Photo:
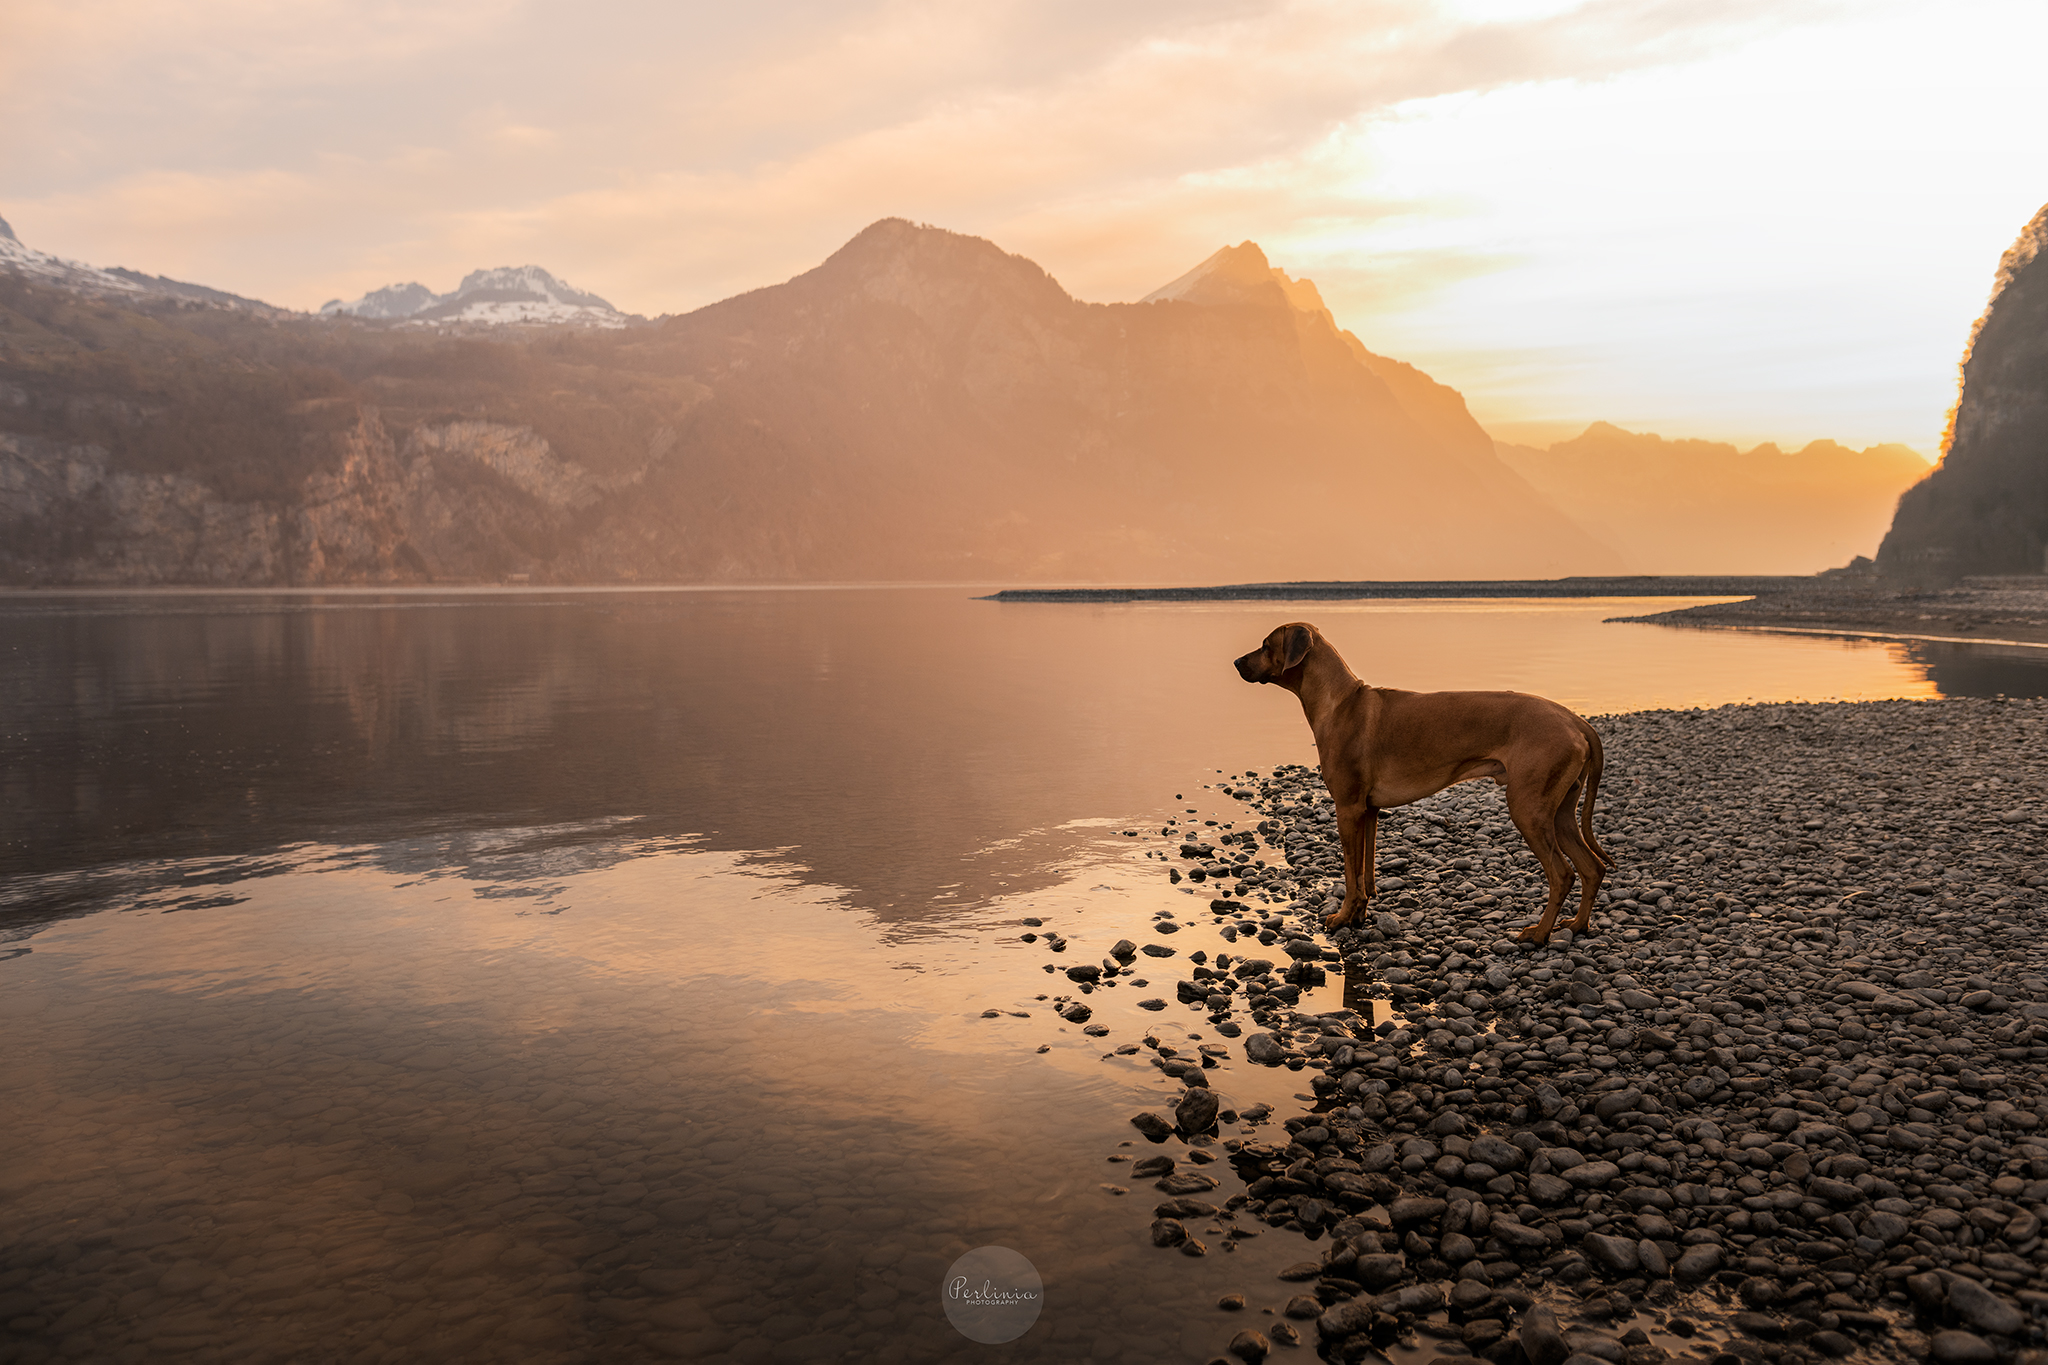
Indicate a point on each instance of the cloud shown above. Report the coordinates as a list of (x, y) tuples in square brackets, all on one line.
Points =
[(972, 115), (1651, 205)]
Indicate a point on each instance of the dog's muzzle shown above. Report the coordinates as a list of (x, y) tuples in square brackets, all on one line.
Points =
[(1247, 667)]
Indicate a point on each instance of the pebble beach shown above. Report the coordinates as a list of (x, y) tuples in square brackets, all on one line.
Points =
[(1788, 1102)]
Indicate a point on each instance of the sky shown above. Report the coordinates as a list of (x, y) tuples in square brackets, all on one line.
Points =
[(1740, 220)]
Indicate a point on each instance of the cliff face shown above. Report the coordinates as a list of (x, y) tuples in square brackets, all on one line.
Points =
[(1984, 510), (1705, 507), (920, 406), (459, 500)]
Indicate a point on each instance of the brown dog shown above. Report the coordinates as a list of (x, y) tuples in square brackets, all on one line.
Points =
[(1383, 747)]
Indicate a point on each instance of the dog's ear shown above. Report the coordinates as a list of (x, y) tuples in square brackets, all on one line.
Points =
[(1297, 644)]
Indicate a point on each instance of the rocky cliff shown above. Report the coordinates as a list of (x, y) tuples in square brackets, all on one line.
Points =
[(921, 406), (1984, 510)]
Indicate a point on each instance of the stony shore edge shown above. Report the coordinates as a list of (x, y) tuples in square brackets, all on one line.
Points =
[(2003, 609), (1799, 1073)]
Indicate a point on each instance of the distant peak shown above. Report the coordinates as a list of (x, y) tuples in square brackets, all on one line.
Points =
[(17, 257), (927, 268), (898, 239), (392, 301), (1242, 274), (1235, 274), (506, 293), (1302, 293)]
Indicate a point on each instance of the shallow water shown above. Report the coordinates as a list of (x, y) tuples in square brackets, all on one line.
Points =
[(559, 976)]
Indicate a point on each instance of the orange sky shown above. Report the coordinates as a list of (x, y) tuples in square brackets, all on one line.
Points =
[(1745, 220)]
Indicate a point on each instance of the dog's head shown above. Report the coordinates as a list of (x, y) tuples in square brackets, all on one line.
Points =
[(1282, 652)]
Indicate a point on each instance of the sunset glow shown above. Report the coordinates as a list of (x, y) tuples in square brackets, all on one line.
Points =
[(1742, 221)]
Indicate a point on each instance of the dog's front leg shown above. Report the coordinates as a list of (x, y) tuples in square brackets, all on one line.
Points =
[(1359, 830)]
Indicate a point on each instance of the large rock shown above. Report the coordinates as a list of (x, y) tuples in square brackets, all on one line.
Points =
[(1619, 1102), (1542, 1339), (1613, 1254), (1264, 1049), (1250, 1346), (1697, 1263), (1382, 1270), (1592, 1175), (1152, 1126), (1960, 1348), (1982, 1309), (1498, 1153), (1519, 1236), (1412, 1209), (1196, 1112), (1345, 1319)]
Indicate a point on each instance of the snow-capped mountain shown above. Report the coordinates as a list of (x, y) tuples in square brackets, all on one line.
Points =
[(41, 265), (508, 294), (392, 301), (524, 293)]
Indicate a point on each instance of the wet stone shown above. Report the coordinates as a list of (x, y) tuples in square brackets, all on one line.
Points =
[(1250, 1346), (1196, 1112), (1960, 1348), (1152, 1126), (1264, 1049)]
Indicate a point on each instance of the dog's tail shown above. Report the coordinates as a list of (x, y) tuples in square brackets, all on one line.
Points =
[(1596, 760)]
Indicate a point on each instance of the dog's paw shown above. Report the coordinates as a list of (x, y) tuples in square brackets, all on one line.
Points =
[(1533, 934)]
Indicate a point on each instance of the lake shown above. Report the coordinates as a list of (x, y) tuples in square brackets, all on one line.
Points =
[(565, 975)]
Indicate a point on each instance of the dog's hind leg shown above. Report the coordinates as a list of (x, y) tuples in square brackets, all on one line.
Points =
[(1590, 868), (1537, 828)]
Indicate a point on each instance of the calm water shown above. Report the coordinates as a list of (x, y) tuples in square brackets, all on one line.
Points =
[(601, 976)]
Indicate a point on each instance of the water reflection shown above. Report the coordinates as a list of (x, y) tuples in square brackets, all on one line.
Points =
[(1982, 670), (372, 1112), (901, 741)]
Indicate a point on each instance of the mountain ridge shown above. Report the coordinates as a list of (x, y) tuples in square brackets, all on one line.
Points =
[(921, 405), (117, 281), (524, 294), (1692, 506), (498, 296)]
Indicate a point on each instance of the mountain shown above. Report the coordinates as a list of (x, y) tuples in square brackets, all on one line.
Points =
[(1678, 507), (1984, 509), (392, 301), (26, 261), (921, 406), (508, 294)]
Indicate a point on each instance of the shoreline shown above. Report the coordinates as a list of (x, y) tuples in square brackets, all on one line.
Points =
[(1620, 585), (1850, 633), (1795, 1091), (2008, 612)]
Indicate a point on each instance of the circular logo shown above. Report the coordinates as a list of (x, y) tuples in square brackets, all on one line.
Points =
[(992, 1295)]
